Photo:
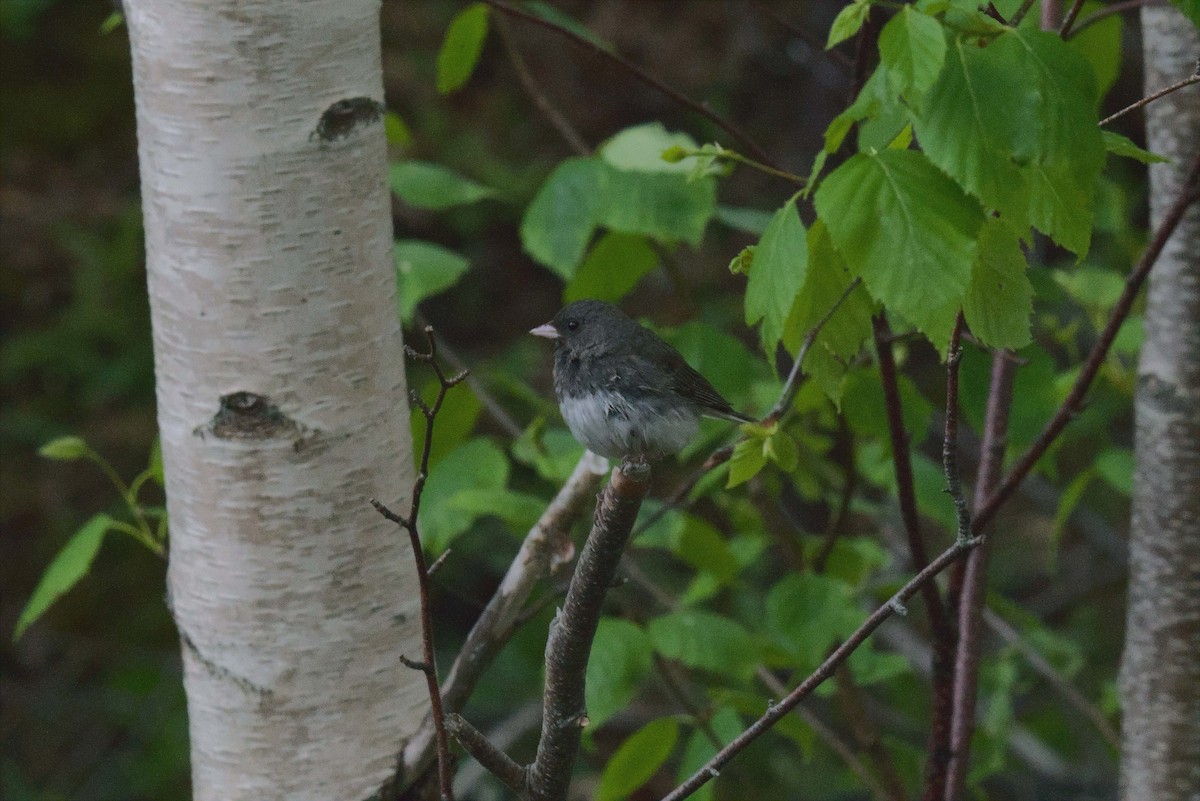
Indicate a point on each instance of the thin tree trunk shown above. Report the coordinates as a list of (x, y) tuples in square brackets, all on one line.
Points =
[(281, 390), (1160, 668)]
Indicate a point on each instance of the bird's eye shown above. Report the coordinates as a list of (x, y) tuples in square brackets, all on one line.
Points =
[(572, 325)]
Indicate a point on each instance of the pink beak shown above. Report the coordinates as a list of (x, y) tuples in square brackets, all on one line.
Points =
[(548, 331)]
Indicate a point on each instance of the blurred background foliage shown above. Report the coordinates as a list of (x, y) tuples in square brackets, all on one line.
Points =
[(92, 702)]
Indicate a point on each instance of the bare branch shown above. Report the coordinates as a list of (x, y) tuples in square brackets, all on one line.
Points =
[(974, 581), (1065, 29), (498, 763), (1108, 10), (544, 547), (1148, 99), (712, 768), (409, 524), (573, 629)]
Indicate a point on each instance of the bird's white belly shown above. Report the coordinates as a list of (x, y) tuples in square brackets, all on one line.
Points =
[(613, 428)]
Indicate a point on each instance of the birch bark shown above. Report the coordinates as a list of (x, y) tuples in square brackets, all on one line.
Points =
[(281, 390)]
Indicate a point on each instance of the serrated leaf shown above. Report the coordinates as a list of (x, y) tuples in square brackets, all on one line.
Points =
[(424, 269), (66, 569), (1120, 145), (612, 269), (620, 660), (913, 47), (908, 231), (638, 759), (431, 186), (743, 262), (461, 47), (842, 335), (64, 449), (999, 301), (1100, 45), (781, 449), (847, 23), (747, 461), (705, 641), (780, 263), (1015, 123)]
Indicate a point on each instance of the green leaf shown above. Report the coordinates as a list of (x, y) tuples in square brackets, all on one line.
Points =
[(1015, 123), (67, 568), (552, 452), (581, 195), (913, 48), (638, 759), (156, 463), (1120, 145), (727, 724), (460, 50), (1100, 45), (781, 449), (863, 405), (847, 22), (560, 221), (777, 273), (842, 335), (908, 231), (612, 269), (395, 130), (640, 149), (450, 502), (430, 186), (705, 641), (1115, 465), (999, 301), (621, 659), (747, 461), (65, 449), (424, 269), (807, 613), (699, 544), (455, 421), (113, 21)]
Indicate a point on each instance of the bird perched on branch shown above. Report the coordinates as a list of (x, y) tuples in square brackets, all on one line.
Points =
[(623, 391)]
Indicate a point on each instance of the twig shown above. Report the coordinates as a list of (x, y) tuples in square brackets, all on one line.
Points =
[(555, 117), (1074, 400), (712, 768), (1020, 13), (545, 546), (1064, 30), (974, 581), (1148, 99), (831, 737), (902, 462), (1108, 10), (792, 385), (642, 75), (942, 712), (409, 524), (1058, 681), (573, 629), (497, 763), (511, 427), (950, 440)]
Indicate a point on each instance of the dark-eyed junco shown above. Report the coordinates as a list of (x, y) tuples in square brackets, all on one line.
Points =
[(621, 389)]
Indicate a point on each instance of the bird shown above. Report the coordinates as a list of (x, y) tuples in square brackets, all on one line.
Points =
[(622, 390)]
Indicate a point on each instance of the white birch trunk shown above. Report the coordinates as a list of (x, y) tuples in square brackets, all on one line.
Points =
[(1160, 668), (281, 391)]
